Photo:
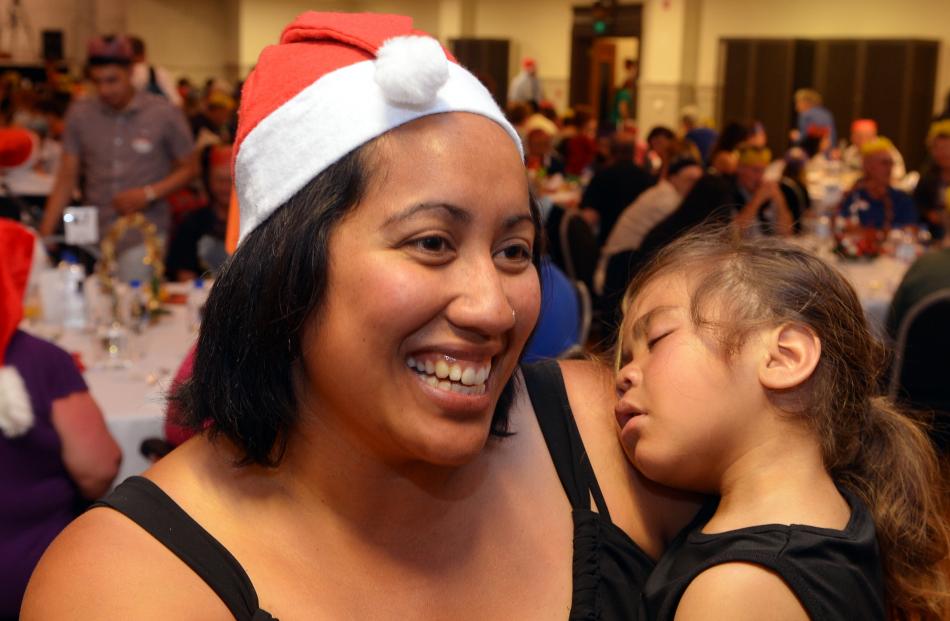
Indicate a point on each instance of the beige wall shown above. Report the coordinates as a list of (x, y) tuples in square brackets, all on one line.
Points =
[(194, 39)]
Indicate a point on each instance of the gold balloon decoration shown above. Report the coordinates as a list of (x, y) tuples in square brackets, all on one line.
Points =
[(108, 265)]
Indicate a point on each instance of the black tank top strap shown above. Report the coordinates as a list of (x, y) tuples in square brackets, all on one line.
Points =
[(143, 502), (549, 397)]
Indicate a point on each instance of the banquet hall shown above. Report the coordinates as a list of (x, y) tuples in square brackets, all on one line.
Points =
[(822, 124)]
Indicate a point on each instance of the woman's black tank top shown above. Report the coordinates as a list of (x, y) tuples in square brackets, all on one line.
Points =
[(609, 569), (836, 574)]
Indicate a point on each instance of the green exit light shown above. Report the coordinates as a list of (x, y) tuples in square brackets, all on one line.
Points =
[(600, 26)]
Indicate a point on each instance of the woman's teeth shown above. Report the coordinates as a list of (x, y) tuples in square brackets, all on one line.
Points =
[(452, 376)]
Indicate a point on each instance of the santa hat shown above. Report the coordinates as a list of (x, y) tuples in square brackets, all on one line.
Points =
[(334, 82), (16, 414)]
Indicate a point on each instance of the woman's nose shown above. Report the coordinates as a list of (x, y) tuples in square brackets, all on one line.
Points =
[(482, 304)]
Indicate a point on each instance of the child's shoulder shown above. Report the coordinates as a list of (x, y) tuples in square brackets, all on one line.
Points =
[(739, 591)]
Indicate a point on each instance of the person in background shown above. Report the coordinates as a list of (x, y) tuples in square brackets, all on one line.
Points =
[(612, 189), (928, 274), (653, 206), (130, 148), (761, 207), (56, 454), (578, 147), (757, 136), (724, 157), (518, 114), (930, 195), (794, 184), (659, 140), (864, 131), (624, 106), (559, 323), (873, 200), (540, 156), (214, 124), (197, 246), (812, 114), (703, 137), (526, 87), (150, 78)]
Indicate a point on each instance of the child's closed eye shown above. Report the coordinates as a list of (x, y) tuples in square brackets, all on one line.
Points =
[(656, 339)]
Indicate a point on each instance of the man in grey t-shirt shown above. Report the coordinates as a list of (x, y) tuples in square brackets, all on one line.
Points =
[(131, 148)]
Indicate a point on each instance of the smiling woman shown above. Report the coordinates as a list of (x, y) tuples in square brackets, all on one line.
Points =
[(369, 447)]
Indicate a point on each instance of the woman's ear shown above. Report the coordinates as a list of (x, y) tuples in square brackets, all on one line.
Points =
[(793, 351)]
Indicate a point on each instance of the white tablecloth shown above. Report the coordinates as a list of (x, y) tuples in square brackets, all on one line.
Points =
[(133, 399), (875, 280)]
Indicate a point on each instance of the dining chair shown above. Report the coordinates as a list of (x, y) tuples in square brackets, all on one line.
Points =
[(921, 370)]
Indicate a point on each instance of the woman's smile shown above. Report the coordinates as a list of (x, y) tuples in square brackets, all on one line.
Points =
[(444, 372)]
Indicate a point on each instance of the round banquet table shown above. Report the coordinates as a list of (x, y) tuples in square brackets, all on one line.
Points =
[(874, 280), (132, 398)]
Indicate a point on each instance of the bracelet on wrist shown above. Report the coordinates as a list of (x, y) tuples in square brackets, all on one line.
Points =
[(149, 193)]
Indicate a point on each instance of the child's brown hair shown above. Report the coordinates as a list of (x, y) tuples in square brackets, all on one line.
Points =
[(868, 445)]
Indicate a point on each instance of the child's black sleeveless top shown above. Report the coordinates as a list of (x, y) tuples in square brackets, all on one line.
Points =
[(836, 574)]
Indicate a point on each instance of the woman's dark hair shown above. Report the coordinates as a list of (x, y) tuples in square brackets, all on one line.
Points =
[(243, 383), (867, 444)]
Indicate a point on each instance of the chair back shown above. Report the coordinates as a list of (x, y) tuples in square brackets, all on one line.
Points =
[(921, 375), (579, 247)]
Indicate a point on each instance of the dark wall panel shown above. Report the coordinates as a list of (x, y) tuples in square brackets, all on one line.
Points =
[(738, 85), (884, 70), (923, 68), (488, 60), (773, 89), (839, 86)]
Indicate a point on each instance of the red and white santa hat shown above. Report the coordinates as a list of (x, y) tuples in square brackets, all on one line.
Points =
[(334, 82), (16, 413)]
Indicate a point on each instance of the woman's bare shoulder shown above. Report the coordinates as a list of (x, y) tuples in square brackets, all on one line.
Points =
[(649, 513), (104, 566)]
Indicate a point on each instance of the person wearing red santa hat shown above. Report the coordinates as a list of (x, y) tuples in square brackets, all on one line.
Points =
[(368, 446), (55, 450)]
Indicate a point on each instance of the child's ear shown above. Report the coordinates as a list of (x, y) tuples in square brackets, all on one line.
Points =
[(792, 354)]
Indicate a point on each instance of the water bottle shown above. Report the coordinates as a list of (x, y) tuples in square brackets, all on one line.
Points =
[(197, 297), (72, 275), (138, 306), (906, 250)]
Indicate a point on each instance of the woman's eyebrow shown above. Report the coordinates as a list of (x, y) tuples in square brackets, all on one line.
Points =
[(514, 221), (456, 213), (642, 325)]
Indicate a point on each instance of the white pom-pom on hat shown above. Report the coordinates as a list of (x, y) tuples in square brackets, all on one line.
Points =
[(411, 69)]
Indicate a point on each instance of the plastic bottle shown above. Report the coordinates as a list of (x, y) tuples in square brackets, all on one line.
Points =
[(138, 306), (72, 276), (196, 301)]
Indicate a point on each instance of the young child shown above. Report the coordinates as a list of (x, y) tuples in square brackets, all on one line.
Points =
[(747, 371)]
